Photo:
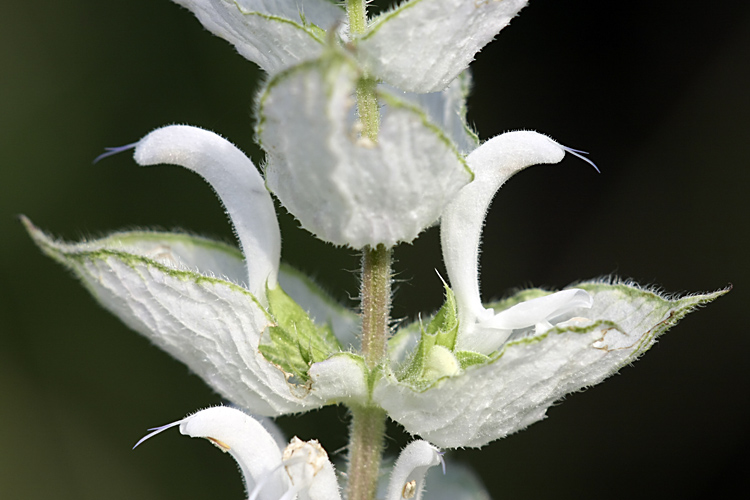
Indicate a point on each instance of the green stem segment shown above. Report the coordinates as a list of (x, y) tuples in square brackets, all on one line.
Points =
[(357, 12), (376, 303), (367, 101), (365, 452), (368, 421)]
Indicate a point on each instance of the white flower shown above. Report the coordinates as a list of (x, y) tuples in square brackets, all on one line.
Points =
[(267, 338), (302, 469), (480, 329), (199, 301), (476, 375)]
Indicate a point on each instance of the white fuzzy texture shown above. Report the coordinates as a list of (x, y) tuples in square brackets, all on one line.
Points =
[(489, 401), (270, 33), (238, 184), (422, 45), (212, 325), (412, 465), (493, 163), (249, 443), (344, 189)]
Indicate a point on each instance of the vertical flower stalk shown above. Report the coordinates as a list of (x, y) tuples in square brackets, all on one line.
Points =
[(368, 422)]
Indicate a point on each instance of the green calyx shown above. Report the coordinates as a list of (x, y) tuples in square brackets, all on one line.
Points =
[(296, 342), (434, 356)]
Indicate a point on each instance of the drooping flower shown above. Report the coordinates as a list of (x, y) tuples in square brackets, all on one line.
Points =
[(302, 469)]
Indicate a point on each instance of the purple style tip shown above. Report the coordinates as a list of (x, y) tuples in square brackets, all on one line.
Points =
[(155, 431), (579, 154), (114, 151)]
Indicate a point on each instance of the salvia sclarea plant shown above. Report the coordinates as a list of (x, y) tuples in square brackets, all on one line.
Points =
[(363, 124)]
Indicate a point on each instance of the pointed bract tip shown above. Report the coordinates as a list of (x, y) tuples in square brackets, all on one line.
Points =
[(114, 151)]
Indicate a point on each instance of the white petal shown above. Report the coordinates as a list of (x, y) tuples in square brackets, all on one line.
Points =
[(407, 478), (513, 390), (211, 325), (461, 224), (447, 110), (274, 34), (489, 334), (237, 183), (422, 45), (311, 473), (342, 189), (247, 441), (534, 311)]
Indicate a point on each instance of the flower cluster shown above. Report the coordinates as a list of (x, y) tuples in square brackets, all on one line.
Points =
[(363, 126)]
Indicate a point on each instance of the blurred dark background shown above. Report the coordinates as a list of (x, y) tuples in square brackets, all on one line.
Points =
[(657, 92)]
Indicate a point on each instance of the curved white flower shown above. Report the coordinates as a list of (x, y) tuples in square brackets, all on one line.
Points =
[(418, 46), (480, 329), (477, 375), (238, 185), (198, 301)]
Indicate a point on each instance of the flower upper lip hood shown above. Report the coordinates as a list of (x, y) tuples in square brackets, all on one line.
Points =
[(238, 185), (418, 46), (461, 224)]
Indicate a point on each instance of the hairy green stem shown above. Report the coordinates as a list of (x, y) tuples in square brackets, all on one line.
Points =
[(368, 421), (376, 303), (365, 452), (357, 12)]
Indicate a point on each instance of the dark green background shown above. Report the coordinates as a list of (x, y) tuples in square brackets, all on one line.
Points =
[(657, 91)]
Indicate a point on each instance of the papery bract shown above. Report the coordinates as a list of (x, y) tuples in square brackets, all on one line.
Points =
[(343, 188)]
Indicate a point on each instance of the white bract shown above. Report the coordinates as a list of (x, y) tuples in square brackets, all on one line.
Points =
[(419, 46)]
